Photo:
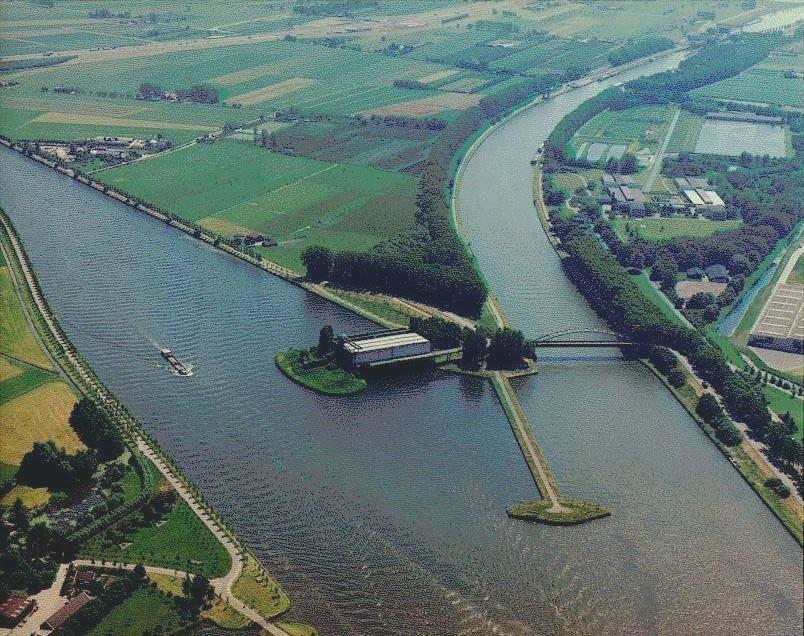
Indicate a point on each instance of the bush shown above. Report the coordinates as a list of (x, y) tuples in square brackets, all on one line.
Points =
[(779, 488)]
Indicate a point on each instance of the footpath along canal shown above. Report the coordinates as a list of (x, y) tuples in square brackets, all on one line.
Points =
[(385, 512)]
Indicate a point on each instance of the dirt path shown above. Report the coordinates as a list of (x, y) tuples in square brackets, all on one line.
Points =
[(533, 455)]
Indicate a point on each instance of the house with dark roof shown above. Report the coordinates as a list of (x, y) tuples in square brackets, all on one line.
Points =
[(695, 273), (71, 607), (717, 274)]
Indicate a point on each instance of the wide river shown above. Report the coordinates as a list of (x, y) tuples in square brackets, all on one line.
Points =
[(385, 513)]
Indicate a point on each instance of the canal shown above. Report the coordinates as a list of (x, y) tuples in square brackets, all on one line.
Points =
[(385, 512)]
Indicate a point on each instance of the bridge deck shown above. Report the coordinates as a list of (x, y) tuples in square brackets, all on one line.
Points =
[(582, 343)]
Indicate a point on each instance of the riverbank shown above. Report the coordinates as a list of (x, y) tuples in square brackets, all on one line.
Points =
[(750, 464), (327, 378), (87, 383)]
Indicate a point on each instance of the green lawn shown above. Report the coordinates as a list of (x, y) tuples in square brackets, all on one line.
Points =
[(328, 379), (182, 539), (782, 402), (146, 611), (658, 229)]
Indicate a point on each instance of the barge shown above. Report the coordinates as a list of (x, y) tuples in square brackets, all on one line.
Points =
[(167, 354)]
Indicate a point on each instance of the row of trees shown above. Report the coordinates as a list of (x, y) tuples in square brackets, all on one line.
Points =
[(641, 47), (197, 94), (498, 349)]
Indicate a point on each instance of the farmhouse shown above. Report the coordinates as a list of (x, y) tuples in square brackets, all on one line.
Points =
[(697, 193), (60, 617), (114, 141), (695, 273), (362, 349), (14, 608)]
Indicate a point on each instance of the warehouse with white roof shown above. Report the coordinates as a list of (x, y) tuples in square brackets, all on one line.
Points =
[(382, 346)]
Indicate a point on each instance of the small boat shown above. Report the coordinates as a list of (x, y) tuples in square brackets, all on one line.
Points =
[(167, 354)]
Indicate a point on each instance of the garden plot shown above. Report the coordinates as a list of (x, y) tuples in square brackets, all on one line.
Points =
[(612, 133), (759, 85), (428, 105), (783, 316)]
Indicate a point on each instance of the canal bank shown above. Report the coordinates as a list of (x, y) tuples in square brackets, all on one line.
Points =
[(145, 448)]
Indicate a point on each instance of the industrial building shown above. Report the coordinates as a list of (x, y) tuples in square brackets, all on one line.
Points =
[(697, 193), (369, 348), (623, 194)]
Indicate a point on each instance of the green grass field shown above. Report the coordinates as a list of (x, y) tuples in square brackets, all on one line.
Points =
[(24, 382), (146, 611), (16, 338), (686, 133), (175, 544), (328, 379), (796, 276), (758, 85), (233, 187), (659, 229)]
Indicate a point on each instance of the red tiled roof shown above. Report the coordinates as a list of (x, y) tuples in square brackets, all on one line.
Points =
[(73, 605), (14, 607)]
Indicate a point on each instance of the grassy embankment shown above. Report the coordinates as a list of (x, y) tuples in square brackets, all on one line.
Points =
[(220, 613), (796, 276), (182, 542), (328, 378), (259, 591), (577, 512)]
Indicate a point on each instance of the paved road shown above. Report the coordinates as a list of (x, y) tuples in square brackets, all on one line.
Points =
[(657, 163)]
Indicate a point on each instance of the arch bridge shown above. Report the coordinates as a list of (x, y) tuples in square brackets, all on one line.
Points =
[(582, 338)]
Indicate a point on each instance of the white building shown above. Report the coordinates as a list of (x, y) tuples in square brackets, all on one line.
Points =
[(384, 346)]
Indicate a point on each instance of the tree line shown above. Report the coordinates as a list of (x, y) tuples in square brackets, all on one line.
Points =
[(616, 297), (636, 49), (503, 348)]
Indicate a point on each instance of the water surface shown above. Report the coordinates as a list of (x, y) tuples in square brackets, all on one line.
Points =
[(383, 513)]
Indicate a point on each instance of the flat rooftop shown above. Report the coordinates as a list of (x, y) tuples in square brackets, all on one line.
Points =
[(384, 342)]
